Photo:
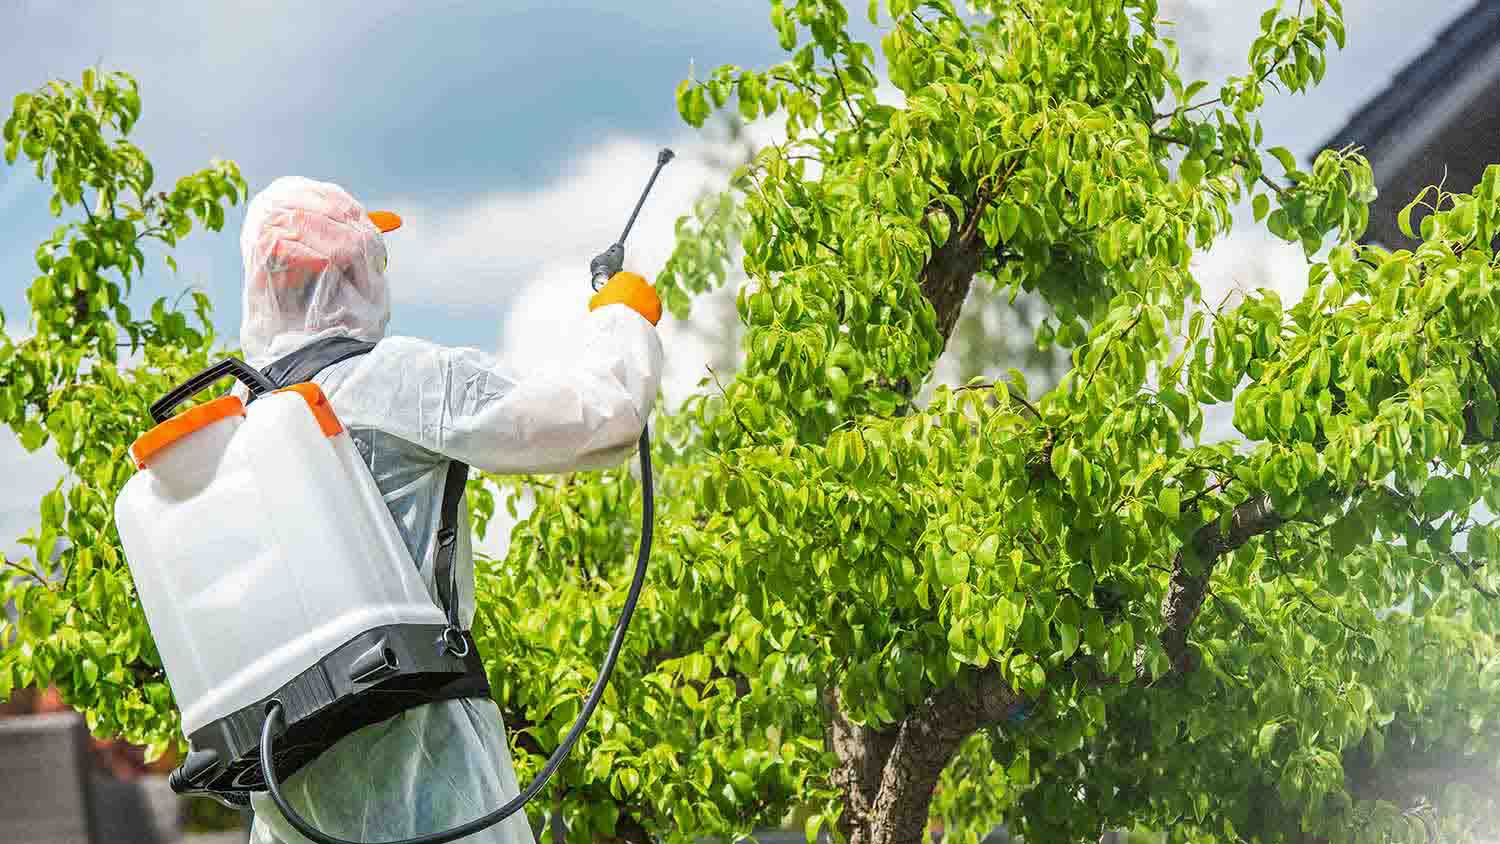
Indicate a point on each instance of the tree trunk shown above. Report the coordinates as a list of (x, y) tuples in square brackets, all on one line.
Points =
[(862, 753), (887, 776), (949, 274)]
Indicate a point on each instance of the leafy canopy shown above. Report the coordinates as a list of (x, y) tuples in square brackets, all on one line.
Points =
[(1076, 612)]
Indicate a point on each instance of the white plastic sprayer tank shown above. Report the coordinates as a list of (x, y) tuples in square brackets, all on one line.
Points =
[(258, 543)]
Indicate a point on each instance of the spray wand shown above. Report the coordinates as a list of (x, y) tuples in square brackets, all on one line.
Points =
[(612, 260)]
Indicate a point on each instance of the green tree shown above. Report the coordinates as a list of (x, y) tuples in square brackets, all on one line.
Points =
[(80, 626), (1059, 609)]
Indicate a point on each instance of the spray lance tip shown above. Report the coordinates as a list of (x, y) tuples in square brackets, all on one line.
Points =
[(664, 156)]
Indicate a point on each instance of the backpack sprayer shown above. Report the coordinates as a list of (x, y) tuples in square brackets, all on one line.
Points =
[(332, 647)]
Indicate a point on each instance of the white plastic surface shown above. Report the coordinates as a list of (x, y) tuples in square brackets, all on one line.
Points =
[(258, 545)]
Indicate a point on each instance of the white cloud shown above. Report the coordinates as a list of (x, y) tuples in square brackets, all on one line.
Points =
[(497, 244), (550, 261), (538, 245), (504, 242), (1247, 259)]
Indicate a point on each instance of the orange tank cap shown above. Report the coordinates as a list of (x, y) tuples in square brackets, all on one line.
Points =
[(179, 426), (318, 403)]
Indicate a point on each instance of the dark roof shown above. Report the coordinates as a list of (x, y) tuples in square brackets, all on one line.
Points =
[(1458, 46)]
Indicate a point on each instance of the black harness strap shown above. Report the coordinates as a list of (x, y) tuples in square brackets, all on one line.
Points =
[(300, 366), (443, 572), (304, 364)]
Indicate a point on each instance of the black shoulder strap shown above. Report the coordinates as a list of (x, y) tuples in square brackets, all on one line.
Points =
[(443, 572), (308, 361), (305, 363)]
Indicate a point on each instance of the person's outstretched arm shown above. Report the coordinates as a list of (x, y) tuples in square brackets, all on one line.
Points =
[(461, 402)]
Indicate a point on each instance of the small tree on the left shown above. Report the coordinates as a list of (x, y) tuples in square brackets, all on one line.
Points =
[(80, 376)]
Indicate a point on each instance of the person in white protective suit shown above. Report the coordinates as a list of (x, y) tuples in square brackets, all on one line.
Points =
[(315, 267)]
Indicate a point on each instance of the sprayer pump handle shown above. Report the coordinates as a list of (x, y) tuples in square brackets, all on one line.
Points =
[(254, 381)]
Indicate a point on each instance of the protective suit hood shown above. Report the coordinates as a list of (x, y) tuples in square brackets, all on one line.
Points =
[(314, 267)]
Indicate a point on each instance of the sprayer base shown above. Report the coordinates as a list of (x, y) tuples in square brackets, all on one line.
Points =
[(378, 674)]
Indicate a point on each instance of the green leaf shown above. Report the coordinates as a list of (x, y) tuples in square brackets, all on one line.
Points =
[(1276, 223), (1010, 220), (1018, 380), (1283, 155), (988, 550), (1267, 738), (1261, 204), (952, 569), (32, 435), (1167, 501), (1191, 171), (1081, 580), (1093, 709), (814, 822), (1068, 634), (1403, 219)]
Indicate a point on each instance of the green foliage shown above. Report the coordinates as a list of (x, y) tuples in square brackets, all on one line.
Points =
[(81, 627), (892, 550), (825, 539)]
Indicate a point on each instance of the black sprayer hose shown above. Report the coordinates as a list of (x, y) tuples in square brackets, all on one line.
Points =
[(276, 719)]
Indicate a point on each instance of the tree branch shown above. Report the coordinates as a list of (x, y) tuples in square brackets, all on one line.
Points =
[(1409, 773), (949, 273), (1264, 179), (1192, 569), (630, 830), (839, 78), (23, 570), (924, 744), (1163, 115)]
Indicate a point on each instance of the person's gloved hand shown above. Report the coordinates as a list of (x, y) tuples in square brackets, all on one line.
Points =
[(632, 291)]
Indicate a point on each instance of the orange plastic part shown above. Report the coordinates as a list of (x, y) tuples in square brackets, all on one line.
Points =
[(322, 410), (179, 426), (633, 292), (386, 221)]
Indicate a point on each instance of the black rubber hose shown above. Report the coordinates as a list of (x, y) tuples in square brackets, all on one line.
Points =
[(275, 718)]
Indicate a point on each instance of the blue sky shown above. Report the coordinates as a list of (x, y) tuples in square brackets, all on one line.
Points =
[(512, 136), (449, 102)]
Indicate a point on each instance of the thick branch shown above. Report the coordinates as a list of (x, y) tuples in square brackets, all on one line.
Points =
[(888, 776), (1194, 566), (949, 273), (1411, 773), (630, 830), (925, 743)]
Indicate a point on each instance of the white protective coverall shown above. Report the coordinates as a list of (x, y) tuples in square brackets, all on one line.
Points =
[(314, 267)]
